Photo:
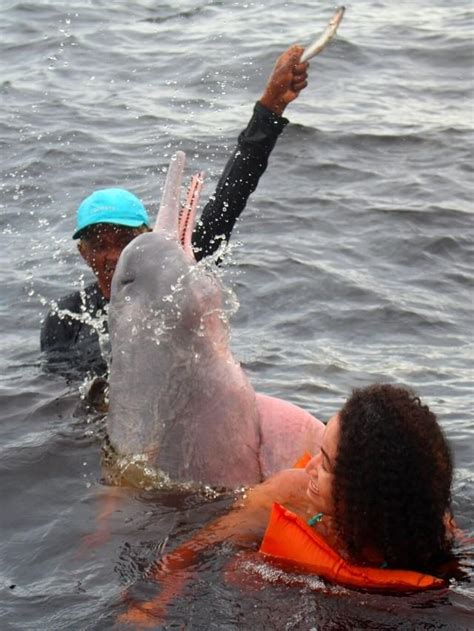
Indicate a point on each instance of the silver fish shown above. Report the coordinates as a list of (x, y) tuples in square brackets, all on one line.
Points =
[(326, 37)]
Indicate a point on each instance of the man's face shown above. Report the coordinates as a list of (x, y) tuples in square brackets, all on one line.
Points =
[(101, 248)]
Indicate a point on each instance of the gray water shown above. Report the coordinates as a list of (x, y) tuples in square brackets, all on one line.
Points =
[(352, 264)]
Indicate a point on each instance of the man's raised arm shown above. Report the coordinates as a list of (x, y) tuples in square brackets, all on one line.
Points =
[(250, 158)]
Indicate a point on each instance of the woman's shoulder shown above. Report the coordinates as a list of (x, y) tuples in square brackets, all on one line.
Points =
[(287, 487), (287, 483)]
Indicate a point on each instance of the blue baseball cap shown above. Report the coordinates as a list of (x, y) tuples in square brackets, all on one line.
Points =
[(111, 205)]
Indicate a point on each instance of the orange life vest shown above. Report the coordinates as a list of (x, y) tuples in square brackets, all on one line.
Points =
[(288, 537), (302, 461)]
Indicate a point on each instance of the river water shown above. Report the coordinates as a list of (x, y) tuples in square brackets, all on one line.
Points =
[(352, 264)]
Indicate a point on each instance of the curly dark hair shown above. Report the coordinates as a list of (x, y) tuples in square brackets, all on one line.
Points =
[(392, 479)]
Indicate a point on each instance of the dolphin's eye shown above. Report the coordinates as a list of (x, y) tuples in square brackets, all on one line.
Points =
[(126, 281)]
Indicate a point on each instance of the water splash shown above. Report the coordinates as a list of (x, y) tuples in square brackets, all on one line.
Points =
[(272, 574)]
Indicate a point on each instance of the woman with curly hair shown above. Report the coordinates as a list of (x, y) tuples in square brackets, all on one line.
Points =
[(376, 495), (383, 476)]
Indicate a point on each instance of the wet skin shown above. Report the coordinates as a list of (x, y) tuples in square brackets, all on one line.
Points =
[(320, 469)]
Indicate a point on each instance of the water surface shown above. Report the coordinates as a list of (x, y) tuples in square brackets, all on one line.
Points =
[(352, 264)]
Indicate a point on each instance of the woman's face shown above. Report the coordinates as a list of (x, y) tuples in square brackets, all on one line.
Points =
[(320, 469)]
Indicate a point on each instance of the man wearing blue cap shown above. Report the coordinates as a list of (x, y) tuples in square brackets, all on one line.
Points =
[(110, 218)]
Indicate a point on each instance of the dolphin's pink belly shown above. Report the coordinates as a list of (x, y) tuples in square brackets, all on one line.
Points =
[(214, 437)]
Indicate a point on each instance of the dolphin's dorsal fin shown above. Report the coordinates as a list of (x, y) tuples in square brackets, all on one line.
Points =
[(168, 214), (187, 217)]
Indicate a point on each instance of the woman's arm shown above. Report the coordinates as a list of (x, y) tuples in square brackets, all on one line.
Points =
[(244, 525)]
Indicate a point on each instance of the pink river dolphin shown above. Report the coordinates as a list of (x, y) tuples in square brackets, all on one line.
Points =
[(179, 400)]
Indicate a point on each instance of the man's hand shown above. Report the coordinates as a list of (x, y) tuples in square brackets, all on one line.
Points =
[(288, 78)]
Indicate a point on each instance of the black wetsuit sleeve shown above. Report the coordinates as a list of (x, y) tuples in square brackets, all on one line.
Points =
[(56, 333), (65, 322), (239, 179), (61, 331), (70, 345)]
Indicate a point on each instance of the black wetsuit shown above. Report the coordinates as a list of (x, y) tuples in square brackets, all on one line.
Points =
[(70, 343)]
